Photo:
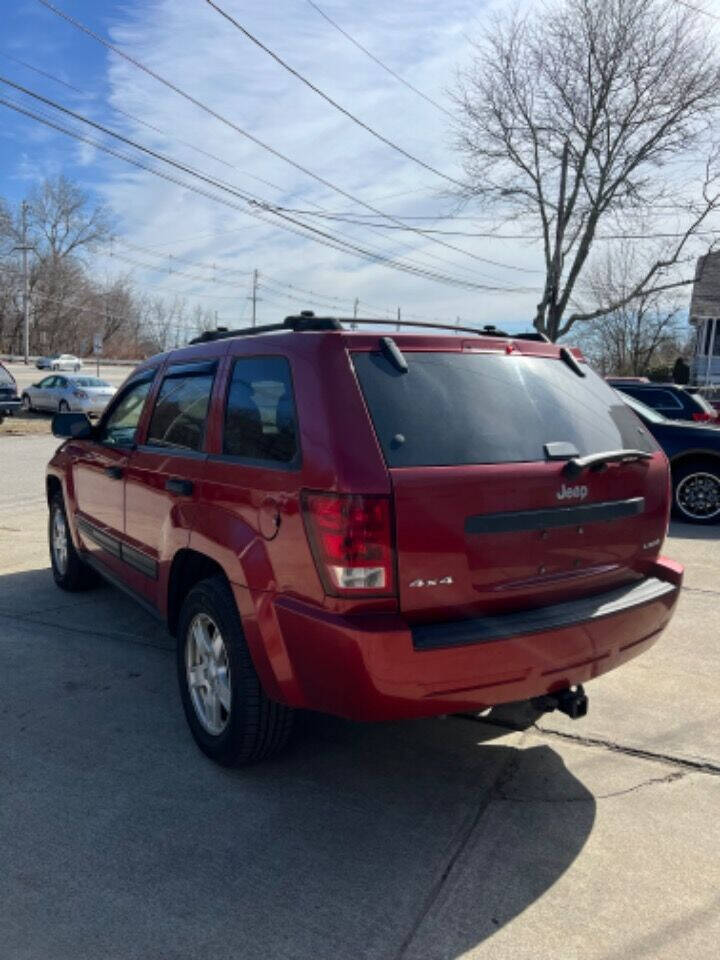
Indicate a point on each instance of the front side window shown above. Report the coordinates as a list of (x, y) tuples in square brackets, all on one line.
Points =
[(260, 419), (180, 413), (120, 426)]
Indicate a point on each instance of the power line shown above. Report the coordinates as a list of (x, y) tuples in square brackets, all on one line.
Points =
[(233, 126), (379, 62), (328, 99), (259, 207), (690, 6)]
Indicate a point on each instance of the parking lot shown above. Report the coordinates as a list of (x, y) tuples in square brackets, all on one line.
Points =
[(39, 423), (597, 839)]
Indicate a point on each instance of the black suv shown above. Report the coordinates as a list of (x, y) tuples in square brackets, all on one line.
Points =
[(672, 401), (9, 400)]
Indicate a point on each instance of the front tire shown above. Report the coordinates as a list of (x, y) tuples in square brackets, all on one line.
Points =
[(230, 717), (63, 407), (27, 403), (69, 571), (696, 492)]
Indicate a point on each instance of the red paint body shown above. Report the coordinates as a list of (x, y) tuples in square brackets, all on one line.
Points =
[(354, 656)]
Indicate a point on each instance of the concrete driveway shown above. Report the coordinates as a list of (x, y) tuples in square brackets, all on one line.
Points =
[(595, 840)]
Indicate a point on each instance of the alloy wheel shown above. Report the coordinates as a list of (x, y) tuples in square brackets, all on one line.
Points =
[(59, 540), (208, 674), (698, 496)]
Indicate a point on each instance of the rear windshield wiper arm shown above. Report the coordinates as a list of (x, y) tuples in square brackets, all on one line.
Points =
[(595, 460)]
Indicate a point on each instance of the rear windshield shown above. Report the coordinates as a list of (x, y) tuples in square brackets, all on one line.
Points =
[(90, 382), (465, 408)]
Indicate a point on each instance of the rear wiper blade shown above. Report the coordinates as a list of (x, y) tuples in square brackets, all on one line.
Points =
[(596, 460)]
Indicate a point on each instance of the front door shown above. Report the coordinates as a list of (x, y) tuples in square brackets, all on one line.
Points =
[(99, 473)]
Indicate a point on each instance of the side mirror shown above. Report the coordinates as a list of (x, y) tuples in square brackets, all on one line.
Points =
[(75, 425)]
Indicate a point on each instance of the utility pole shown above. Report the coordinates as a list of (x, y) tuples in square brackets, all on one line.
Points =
[(254, 296), (24, 247), (398, 321), (356, 304)]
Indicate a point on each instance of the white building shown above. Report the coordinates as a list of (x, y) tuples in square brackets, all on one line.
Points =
[(705, 317)]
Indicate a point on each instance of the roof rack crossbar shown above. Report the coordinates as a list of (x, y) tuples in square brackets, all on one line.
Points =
[(308, 322)]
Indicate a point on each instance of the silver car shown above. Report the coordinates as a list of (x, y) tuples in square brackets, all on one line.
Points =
[(63, 394), (59, 361)]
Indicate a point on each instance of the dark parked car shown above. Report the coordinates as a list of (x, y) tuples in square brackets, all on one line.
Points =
[(693, 450), (368, 526), (9, 400), (672, 401)]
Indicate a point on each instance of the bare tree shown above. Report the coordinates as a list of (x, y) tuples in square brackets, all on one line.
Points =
[(568, 119), (643, 332), (63, 221)]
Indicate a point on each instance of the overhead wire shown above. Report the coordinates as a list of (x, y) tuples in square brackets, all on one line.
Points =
[(258, 208), (328, 99), (379, 62), (229, 123)]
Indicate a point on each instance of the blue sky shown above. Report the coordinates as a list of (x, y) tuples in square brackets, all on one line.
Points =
[(168, 238)]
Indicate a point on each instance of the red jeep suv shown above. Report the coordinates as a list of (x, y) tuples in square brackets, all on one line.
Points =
[(370, 526)]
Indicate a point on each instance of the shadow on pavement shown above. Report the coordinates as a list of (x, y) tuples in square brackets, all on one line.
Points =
[(418, 839), (691, 531)]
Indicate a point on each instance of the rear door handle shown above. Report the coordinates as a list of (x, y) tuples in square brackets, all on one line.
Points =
[(176, 485), (115, 473)]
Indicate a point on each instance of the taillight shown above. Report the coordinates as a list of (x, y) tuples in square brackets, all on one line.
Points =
[(702, 417), (352, 542), (80, 394)]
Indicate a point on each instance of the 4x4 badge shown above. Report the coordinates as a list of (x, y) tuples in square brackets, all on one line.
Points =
[(444, 582)]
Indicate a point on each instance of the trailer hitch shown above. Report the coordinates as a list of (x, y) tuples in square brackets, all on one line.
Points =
[(572, 701)]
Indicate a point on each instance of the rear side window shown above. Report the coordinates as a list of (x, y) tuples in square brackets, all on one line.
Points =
[(260, 418), (466, 408), (180, 414)]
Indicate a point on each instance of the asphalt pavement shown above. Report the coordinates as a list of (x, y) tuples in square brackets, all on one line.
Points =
[(597, 839)]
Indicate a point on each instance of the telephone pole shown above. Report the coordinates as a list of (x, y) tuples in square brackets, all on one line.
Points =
[(24, 247), (254, 296), (398, 320), (356, 304)]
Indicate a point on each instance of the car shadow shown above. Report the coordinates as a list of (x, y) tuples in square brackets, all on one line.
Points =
[(415, 839), (691, 531)]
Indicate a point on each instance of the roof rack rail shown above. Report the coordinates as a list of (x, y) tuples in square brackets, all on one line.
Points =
[(487, 331), (306, 321)]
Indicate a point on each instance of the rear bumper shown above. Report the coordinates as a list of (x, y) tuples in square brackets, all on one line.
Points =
[(372, 668), (8, 407)]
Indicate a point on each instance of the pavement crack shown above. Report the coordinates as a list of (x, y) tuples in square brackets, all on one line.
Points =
[(504, 776), (652, 781), (683, 763), (697, 766), (118, 637)]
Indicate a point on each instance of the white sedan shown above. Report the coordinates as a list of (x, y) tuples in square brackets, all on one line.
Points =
[(61, 394), (60, 361)]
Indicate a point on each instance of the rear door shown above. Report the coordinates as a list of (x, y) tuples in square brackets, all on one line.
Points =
[(164, 472), (486, 520)]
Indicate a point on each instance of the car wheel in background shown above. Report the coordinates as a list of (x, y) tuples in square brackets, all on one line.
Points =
[(696, 492), (232, 720), (26, 403), (69, 571), (63, 407)]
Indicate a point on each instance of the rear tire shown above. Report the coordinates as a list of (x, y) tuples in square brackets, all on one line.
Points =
[(230, 717), (69, 571), (696, 492), (63, 407), (27, 403)]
